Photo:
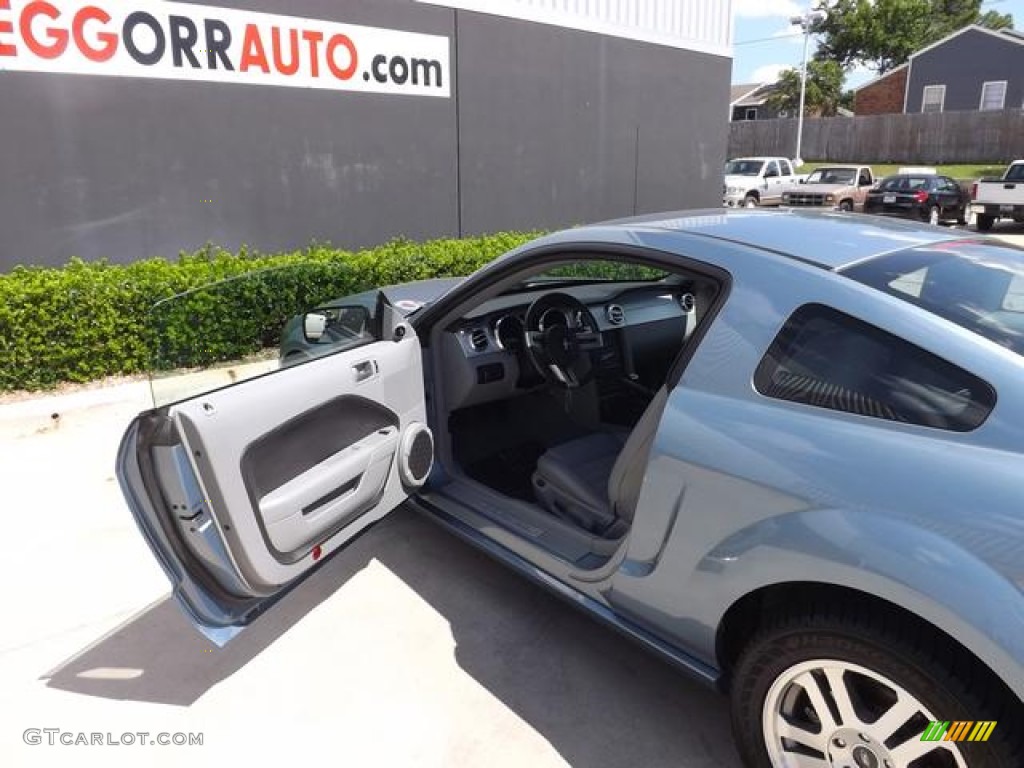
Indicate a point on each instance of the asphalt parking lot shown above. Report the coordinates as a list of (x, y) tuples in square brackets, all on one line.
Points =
[(409, 648)]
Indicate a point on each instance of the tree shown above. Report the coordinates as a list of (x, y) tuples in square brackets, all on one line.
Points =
[(882, 34), (824, 89)]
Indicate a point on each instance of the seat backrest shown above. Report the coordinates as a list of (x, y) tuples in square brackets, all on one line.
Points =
[(627, 474)]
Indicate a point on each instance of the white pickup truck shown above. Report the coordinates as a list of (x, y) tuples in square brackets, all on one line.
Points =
[(994, 199), (754, 181)]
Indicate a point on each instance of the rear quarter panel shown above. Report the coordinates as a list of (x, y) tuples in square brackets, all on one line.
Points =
[(743, 491)]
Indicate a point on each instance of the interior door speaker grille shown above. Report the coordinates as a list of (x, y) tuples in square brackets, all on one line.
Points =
[(416, 454)]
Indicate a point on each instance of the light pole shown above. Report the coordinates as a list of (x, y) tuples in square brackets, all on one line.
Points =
[(805, 23)]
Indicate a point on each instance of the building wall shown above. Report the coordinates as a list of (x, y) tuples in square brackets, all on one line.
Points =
[(883, 97), (962, 64), (545, 127)]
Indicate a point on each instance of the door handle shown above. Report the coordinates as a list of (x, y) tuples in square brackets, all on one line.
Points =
[(365, 370)]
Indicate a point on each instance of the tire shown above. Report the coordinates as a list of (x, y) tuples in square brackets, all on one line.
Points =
[(879, 661), (750, 201), (846, 205), (934, 215), (984, 223)]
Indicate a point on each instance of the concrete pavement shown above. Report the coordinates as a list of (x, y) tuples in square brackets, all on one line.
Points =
[(409, 649)]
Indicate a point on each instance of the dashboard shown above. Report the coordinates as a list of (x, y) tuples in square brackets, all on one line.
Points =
[(642, 326)]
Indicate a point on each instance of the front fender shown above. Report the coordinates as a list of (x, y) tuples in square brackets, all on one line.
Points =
[(916, 569)]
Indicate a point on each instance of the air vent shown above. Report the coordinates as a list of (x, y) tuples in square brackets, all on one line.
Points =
[(478, 339), (615, 314), (688, 302)]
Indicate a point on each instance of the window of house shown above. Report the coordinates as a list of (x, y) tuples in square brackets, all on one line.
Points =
[(993, 95), (933, 98), (751, 114), (827, 359)]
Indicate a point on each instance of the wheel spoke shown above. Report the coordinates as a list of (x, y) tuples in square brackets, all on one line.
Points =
[(817, 741), (535, 339), (796, 760), (841, 696), (912, 749), (817, 697), (895, 718)]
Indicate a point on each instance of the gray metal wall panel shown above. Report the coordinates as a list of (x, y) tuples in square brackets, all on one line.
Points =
[(119, 167), (550, 120), (962, 65)]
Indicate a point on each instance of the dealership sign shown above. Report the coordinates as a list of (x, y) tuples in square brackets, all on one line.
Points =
[(183, 41)]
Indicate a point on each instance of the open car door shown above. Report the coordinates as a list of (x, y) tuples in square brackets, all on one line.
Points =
[(241, 491)]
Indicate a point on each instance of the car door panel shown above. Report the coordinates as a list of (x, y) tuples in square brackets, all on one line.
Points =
[(241, 491), (219, 428)]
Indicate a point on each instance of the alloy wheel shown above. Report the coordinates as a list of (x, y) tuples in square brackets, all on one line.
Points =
[(827, 713)]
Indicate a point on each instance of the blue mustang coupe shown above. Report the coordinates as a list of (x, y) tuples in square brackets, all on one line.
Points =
[(784, 450)]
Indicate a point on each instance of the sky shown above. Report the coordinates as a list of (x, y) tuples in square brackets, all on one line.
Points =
[(765, 43)]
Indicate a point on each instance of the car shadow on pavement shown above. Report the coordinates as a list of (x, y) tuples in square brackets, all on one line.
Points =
[(597, 698)]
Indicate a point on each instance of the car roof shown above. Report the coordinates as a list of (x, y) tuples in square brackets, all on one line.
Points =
[(826, 239)]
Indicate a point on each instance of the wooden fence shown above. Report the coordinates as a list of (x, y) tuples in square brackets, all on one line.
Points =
[(942, 137)]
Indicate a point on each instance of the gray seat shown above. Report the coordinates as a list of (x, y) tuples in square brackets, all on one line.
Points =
[(594, 481)]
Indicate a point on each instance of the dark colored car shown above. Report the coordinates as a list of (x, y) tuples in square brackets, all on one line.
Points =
[(920, 196)]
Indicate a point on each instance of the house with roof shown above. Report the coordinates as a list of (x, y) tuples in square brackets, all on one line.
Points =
[(749, 101), (975, 68)]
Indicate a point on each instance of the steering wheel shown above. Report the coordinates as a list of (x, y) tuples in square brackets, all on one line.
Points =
[(560, 332)]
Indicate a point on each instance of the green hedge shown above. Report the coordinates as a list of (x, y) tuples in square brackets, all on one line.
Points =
[(87, 320)]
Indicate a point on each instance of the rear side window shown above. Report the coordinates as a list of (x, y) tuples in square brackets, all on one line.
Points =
[(826, 359)]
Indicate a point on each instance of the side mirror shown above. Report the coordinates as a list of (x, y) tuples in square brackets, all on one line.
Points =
[(334, 324), (314, 326)]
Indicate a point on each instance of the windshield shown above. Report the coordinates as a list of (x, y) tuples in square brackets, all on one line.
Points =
[(743, 167), (979, 286), (832, 176)]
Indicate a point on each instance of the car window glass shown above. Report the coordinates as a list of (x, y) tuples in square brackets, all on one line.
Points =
[(1016, 173), (787, 169), (772, 170), (1013, 301), (743, 168), (826, 359), (977, 285), (252, 324), (597, 270)]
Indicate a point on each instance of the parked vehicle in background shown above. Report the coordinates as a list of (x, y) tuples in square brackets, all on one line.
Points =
[(994, 199), (843, 187), (923, 196), (754, 181)]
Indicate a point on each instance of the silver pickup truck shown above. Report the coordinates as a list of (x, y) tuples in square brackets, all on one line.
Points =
[(753, 181), (994, 199)]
